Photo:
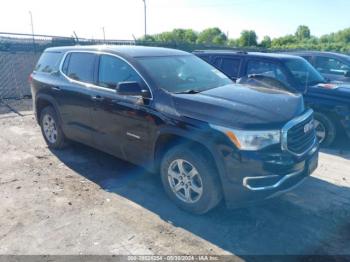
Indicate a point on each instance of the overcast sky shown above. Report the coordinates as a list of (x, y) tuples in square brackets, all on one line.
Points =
[(124, 18)]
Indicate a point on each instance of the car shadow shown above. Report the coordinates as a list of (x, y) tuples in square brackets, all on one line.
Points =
[(340, 147), (312, 219), (15, 106)]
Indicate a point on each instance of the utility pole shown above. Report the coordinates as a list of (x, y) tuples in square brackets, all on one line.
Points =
[(104, 34), (249, 38), (145, 11), (32, 26)]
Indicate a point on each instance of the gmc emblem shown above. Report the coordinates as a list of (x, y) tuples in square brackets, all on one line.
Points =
[(308, 127)]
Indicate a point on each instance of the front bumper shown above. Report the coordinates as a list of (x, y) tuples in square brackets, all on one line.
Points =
[(256, 176)]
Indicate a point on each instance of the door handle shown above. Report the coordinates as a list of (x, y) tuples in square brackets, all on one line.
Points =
[(97, 98), (56, 88)]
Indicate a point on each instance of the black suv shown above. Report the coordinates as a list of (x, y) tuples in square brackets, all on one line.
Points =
[(330, 101), (172, 113), (333, 66)]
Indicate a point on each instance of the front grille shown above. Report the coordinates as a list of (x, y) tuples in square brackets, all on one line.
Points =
[(301, 136)]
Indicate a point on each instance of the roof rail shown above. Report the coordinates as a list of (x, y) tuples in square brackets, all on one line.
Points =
[(221, 51), (242, 52)]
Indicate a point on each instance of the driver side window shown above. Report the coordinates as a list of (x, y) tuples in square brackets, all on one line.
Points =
[(113, 70), (266, 69)]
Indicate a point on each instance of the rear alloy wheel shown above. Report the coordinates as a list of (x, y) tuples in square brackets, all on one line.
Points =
[(190, 180), (325, 129), (51, 129)]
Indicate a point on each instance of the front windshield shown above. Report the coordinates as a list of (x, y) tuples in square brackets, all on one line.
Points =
[(304, 73), (178, 74)]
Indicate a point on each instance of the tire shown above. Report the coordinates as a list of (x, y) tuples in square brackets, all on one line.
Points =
[(326, 129), (51, 128), (204, 177)]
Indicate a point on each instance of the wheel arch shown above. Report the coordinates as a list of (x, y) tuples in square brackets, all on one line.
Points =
[(167, 140), (42, 101)]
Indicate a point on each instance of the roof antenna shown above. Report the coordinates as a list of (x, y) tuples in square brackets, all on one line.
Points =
[(76, 38)]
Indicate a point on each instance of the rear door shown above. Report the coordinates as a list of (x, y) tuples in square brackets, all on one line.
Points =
[(74, 95), (45, 76)]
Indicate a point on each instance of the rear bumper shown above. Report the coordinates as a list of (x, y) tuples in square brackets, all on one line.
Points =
[(258, 176)]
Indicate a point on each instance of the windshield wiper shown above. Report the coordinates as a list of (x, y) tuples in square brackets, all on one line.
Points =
[(190, 91)]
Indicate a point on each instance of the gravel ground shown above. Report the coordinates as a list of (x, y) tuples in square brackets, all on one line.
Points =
[(82, 201)]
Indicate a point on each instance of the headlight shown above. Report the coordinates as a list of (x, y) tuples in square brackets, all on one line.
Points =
[(251, 140)]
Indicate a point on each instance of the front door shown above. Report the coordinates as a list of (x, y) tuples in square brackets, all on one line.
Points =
[(124, 125), (332, 68)]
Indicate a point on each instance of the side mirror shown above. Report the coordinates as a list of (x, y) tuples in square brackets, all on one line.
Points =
[(347, 73), (132, 89)]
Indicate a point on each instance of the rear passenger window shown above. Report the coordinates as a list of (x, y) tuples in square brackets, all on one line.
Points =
[(113, 70), (49, 62), (230, 66), (80, 66), (308, 58), (206, 58)]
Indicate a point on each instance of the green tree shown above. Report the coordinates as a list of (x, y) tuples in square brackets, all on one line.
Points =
[(150, 38), (212, 36), (248, 38), (284, 41), (233, 42), (177, 35), (302, 39), (165, 37), (303, 32), (342, 36), (266, 42), (185, 35)]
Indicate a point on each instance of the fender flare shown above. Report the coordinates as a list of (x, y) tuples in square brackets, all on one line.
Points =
[(200, 139), (50, 100)]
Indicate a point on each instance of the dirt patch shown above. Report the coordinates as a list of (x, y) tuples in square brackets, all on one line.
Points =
[(81, 201)]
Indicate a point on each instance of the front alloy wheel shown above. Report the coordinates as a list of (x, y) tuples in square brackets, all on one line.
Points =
[(185, 181), (190, 179), (326, 130), (320, 131)]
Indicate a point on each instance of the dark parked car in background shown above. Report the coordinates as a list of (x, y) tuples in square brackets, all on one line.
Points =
[(331, 102), (333, 66), (176, 115)]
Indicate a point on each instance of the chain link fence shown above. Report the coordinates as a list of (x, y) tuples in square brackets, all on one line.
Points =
[(20, 52), (15, 69)]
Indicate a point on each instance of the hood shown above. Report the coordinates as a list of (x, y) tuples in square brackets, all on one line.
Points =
[(334, 90), (241, 106)]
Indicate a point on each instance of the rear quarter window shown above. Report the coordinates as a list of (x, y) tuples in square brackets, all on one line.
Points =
[(49, 62)]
